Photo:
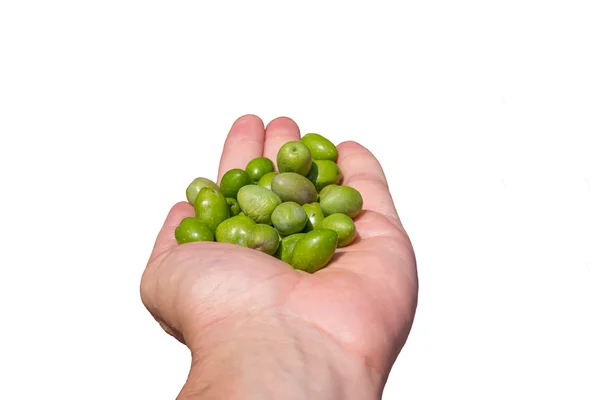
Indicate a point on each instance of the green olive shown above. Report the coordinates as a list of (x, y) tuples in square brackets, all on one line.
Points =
[(194, 188), (294, 157), (323, 173), (341, 199), (235, 230), (325, 190), (289, 218), (263, 238), (258, 167), (258, 203), (234, 206), (314, 250), (286, 247), (320, 147), (266, 179), (314, 214), (343, 226), (211, 207), (193, 230), (290, 186), (233, 181)]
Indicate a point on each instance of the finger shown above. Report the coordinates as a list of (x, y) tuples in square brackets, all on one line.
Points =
[(279, 131), (362, 171), (244, 142), (166, 237)]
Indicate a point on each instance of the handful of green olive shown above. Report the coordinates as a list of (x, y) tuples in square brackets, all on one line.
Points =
[(299, 214)]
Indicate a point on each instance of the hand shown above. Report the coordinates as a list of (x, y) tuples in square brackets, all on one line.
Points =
[(252, 317)]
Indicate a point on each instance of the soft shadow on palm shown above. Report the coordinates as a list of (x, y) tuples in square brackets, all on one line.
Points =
[(364, 300)]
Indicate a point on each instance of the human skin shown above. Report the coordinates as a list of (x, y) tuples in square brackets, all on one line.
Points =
[(258, 329)]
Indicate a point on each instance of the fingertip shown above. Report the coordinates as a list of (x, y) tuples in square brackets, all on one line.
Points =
[(349, 148), (166, 237), (362, 171), (244, 142), (251, 119), (181, 208), (278, 132), (282, 122), (351, 144), (177, 213)]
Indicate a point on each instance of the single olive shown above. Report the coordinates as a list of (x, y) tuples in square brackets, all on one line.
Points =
[(325, 190), (314, 214), (193, 230), (258, 203), (211, 207), (323, 173), (343, 226), (266, 179), (235, 230), (320, 147), (314, 250), (194, 188), (234, 206), (286, 247), (290, 186), (341, 199), (258, 167), (233, 181), (263, 238), (289, 218), (294, 157)]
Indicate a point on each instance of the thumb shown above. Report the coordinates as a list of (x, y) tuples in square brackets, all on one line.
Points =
[(166, 237)]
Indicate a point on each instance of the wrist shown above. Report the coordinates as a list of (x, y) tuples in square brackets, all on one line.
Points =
[(274, 357)]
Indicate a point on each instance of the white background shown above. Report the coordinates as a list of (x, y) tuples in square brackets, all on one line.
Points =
[(108, 109)]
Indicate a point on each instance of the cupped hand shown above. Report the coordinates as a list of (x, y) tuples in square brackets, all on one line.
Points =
[(364, 300)]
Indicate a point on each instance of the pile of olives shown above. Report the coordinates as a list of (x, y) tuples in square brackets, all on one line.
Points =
[(299, 214)]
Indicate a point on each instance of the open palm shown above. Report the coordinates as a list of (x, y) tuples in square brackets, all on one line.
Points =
[(364, 300)]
